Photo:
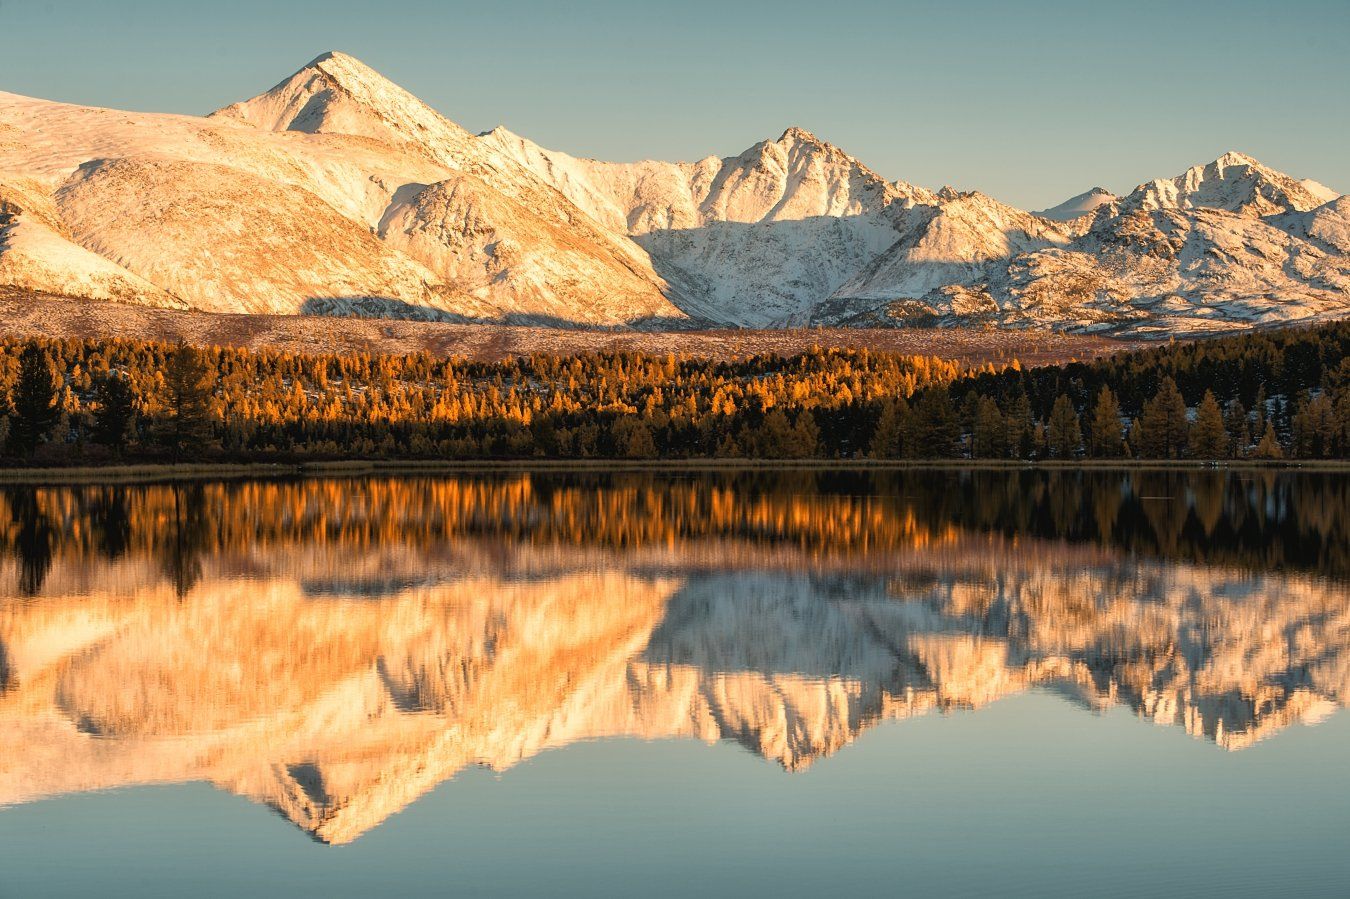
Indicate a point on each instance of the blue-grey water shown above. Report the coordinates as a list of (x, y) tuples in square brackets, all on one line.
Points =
[(915, 683)]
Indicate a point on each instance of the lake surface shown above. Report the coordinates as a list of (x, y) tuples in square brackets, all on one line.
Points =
[(795, 683)]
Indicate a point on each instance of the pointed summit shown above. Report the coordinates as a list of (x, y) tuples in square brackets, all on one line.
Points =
[(337, 55), (1232, 158), (338, 94), (797, 134)]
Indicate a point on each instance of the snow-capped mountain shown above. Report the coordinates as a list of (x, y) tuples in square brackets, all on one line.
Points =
[(754, 240), (334, 192), (338, 192)]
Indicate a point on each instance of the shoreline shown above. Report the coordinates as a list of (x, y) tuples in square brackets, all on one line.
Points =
[(150, 473)]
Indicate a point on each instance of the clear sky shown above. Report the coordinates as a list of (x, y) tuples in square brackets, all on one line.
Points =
[(1031, 102)]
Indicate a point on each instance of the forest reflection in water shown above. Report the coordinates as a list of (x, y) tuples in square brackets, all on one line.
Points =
[(335, 648)]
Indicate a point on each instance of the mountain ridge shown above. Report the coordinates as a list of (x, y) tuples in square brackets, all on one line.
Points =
[(415, 217)]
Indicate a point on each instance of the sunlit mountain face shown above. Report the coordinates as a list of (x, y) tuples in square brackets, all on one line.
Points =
[(334, 649)]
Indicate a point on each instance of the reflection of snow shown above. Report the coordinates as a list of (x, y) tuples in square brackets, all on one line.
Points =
[(338, 698)]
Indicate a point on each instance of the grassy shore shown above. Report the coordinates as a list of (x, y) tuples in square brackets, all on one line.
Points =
[(157, 473)]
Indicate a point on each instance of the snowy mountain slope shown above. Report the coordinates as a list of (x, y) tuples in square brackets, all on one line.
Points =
[(755, 239), (498, 251), (339, 192), (338, 187), (1078, 206), (795, 231), (949, 246), (36, 251), (532, 251), (1221, 246), (1320, 191), (227, 241), (1233, 183), (338, 94)]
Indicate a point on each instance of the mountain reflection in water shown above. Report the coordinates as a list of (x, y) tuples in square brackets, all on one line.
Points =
[(336, 648)]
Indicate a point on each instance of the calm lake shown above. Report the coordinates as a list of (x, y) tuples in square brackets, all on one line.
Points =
[(793, 683)]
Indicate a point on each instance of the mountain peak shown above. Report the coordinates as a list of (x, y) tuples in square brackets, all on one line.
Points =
[(799, 135), (1235, 182), (1078, 206), (346, 69), (1233, 157), (336, 93), (324, 57)]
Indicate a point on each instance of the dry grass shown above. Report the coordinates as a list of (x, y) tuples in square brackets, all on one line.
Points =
[(25, 314)]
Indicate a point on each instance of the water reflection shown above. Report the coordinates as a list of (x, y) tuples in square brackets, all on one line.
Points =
[(335, 649)]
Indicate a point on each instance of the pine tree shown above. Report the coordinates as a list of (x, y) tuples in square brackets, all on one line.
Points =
[(988, 433), (189, 379), (805, 441), (116, 409), (1343, 421), (1239, 433), (1063, 432), (933, 426), (1262, 411), (1209, 437), (1106, 435), (1315, 427), (36, 410), (1021, 429), (885, 442)]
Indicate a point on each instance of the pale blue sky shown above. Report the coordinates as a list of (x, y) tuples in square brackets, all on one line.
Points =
[(1029, 102)]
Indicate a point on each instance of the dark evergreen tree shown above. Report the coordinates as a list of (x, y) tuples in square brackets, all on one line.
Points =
[(933, 426), (1063, 433), (988, 432), (114, 413), (35, 408), (1238, 428), (186, 430)]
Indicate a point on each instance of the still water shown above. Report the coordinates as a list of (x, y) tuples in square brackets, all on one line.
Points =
[(795, 683)]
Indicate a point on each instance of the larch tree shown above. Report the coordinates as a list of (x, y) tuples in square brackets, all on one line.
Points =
[(1063, 433), (1209, 437), (1269, 445), (1162, 427), (1105, 433)]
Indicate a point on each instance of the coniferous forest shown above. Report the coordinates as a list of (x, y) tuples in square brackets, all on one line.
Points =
[(1259, 395)]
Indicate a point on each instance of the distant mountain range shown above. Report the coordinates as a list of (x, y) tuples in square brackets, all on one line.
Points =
[(338, 192)]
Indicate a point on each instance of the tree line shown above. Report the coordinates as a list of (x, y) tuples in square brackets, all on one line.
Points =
[(1263, 395), (1274, 520)]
